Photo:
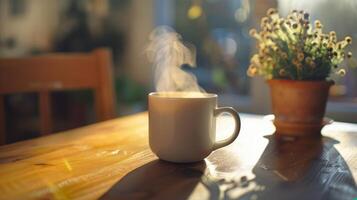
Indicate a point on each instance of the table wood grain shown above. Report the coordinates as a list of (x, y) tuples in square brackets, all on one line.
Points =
[(112, 160)]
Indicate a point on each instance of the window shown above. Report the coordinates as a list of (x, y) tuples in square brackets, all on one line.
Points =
[(219, 30)]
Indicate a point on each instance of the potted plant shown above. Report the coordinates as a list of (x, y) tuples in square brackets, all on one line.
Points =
[(298, 60)]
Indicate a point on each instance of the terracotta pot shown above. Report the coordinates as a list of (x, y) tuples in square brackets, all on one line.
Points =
[(299, 106)]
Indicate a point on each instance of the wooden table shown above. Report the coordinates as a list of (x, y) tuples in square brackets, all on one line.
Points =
[(111, 160)]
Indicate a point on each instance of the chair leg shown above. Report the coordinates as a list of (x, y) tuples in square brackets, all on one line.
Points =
[(104, 93), (45, 113), (2, 121)]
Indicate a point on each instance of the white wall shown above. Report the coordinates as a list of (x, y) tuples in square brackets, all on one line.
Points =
[(140, 25), (26, 29)]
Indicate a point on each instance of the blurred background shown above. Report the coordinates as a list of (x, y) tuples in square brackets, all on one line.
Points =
[(218, 28)]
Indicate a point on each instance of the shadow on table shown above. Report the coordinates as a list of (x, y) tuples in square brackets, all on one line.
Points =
[(303, 168), (158, 180)]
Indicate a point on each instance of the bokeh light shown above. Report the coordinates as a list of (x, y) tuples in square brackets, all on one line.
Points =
[(194, 12)]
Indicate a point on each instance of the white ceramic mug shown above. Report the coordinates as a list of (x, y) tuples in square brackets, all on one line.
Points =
[(182, 126)]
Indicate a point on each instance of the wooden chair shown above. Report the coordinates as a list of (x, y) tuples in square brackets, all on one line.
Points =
[(58, 71)]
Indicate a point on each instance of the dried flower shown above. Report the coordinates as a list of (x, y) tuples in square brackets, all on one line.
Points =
[(282, 72), (284, 55), (312, 64), (308, 59), (300, 57)]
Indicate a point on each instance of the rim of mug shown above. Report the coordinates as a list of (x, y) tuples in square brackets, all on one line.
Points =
[(199, 96)]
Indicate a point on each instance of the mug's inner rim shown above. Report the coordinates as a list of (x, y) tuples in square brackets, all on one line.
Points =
[(182, 94)]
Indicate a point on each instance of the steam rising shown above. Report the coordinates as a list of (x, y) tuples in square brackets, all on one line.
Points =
[(168, 53)]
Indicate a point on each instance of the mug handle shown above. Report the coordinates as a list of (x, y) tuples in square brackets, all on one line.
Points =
[(235, 115)]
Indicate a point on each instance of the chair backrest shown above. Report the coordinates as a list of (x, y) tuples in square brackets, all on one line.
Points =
[(58, 71)]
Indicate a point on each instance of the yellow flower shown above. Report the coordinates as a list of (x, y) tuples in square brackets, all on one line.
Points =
[(348, 39), (271, 11), (341, 72), (265, 20), (252, 70), (349, 54), (332, 34), (252, 32), (279, 40), (318, 24)]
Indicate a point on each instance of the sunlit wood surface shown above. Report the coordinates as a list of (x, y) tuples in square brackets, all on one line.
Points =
[(112, 160)]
